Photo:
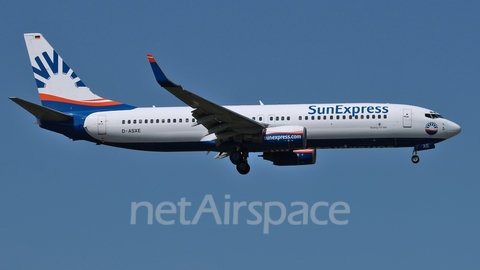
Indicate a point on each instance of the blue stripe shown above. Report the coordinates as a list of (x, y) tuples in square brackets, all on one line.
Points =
[(68, 107), (227, 147)]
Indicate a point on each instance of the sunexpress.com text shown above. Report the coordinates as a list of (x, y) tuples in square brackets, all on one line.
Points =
[(253, 213)]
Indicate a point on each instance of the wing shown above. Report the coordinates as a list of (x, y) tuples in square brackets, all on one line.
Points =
[(218, 120)]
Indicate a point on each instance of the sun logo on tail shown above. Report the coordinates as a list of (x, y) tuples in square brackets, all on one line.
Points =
[(43, 74)]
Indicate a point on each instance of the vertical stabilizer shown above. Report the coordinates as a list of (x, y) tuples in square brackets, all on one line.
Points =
[(58, 86)]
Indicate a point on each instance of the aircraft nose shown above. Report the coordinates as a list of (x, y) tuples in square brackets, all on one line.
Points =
[(453, 129)]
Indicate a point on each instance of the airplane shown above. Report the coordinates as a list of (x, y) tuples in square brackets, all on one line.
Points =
[(284, 134)]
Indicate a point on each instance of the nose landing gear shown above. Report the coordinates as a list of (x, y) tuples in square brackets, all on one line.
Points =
[(415, 158), (420, 147)]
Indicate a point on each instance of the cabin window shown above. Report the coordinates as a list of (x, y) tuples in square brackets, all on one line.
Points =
[(260, 119), (193, 120), (283, 118), (356, 116), (134, 121), (368, 116), (157, 121), (350, 117), (300, 117), (186, 120), (174, 120), (180, 120), (128, 122), (331, 117), (288, 118), (373, 116), (168, 120), (384, 116), (146, 121), (123, 122), (271, 118), (253, 118), (338, 117), (344, 117), (277, 118)]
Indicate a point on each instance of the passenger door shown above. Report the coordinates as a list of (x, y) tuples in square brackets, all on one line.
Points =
[(102, 124), (407, 118)]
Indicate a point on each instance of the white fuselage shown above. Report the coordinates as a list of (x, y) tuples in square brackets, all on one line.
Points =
[(327, 125)]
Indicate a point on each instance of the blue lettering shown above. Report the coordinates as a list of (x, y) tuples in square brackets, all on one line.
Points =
[(338, 109), (356, 110), (342, 109)]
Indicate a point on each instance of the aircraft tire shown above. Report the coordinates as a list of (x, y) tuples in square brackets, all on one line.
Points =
[(243, 168), (236, 157), (415, 159)]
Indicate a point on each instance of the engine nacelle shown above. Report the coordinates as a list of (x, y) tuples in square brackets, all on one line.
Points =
[(285, 138), (295, 157)]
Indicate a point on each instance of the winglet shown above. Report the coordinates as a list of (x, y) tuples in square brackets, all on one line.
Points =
[(159, 74)]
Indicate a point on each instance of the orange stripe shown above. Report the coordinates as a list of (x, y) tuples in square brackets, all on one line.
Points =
[(95, 102), (303, 151)]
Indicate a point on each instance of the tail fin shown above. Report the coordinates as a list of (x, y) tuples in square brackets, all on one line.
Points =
[(58, 86)]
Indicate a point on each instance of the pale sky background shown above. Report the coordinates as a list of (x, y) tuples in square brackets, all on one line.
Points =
[(66, 205)]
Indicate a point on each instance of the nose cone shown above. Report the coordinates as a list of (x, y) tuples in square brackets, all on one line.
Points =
[(453, 129)]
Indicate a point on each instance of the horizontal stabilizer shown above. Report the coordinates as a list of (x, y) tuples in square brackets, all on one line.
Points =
[(41, 112)]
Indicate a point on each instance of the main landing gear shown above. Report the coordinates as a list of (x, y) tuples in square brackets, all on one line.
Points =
[(239, 158)]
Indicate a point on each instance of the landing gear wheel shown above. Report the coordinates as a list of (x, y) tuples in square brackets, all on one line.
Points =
[(415, 159), (243, 167), (236, 157)]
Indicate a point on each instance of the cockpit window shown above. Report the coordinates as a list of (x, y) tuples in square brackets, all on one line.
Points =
[(433, 115)]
